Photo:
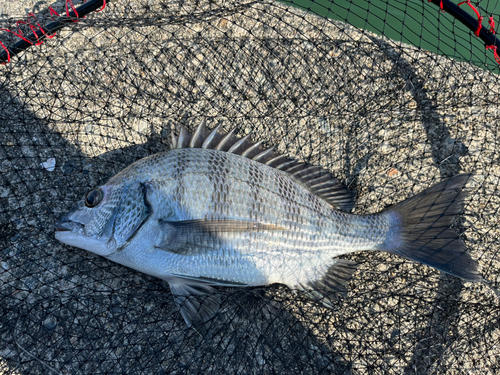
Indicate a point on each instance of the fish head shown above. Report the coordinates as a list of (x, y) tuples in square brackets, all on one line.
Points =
[(105, 219)]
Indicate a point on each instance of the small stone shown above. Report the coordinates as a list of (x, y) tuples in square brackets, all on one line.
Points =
[(386, 148), (223, 23), (412, 104), (49, 165), (391, 172), (49, 324)]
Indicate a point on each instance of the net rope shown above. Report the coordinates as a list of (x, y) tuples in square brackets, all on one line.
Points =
[(388, 107)]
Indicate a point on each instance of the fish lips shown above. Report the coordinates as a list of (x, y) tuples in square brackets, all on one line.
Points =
[(70, 233), (65, 226)]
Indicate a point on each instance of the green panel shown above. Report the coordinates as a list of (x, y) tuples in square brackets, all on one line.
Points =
[(415, 22)]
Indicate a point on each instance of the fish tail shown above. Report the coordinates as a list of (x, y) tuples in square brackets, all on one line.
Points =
[(420, 229)]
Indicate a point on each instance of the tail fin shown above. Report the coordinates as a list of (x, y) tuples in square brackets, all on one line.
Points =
[(422, 229)]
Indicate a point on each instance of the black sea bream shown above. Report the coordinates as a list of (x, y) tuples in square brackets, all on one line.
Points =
[(219, 210)]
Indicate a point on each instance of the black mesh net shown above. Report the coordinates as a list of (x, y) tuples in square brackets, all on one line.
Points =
[(390, 96)]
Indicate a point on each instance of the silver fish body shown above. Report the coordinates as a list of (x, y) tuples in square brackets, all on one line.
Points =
[(302, 236), (199, 216)]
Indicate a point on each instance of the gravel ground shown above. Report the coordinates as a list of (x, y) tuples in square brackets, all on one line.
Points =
[(388, 119)]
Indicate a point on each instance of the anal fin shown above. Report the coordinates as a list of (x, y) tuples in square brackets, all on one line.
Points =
[(332, 283), (210, 281)]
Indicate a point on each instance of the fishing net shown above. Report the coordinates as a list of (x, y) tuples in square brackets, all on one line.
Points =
[(391, 96)]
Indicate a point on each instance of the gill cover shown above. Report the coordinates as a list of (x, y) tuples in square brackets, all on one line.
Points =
[(133, 211)]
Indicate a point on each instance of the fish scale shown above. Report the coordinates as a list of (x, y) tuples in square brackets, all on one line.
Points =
[(220, 210)]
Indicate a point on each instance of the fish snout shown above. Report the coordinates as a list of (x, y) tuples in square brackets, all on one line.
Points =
[(64, 226)]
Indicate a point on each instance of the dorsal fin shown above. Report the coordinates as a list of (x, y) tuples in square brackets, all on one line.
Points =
[(315, 178)]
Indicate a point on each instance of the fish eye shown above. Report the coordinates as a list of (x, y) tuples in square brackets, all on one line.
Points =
[(93, 198)]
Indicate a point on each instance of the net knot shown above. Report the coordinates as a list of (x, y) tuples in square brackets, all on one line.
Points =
[(491, 22)]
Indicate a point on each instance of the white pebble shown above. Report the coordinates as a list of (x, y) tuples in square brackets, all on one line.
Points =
[(49, 165)]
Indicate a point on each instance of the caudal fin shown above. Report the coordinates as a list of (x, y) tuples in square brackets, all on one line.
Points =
[(422, 229)]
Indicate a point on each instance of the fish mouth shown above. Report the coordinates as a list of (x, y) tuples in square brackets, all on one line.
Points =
[(63, 226)]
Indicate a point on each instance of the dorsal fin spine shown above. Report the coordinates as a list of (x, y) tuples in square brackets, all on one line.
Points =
[(226, 141), (315, 184), (254, 149), (235, 149), (275, 161), (309, 171), (199, 135), (264, 155), (296, 168), (285, 165), (184, 137), (212, 137), (173, 140)]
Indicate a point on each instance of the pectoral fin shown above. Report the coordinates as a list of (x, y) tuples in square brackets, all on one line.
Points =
[(198, 302), (190, 237), (220, 226)]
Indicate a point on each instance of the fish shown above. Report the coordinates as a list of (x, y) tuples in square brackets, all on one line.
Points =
[(219, 210)]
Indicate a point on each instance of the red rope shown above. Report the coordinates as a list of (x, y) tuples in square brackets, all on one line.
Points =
[(479, 17), (20, 35), (103, 6), (491, 22), (440, 4), (8, 53), (34, 29), (495, 53), (53, 13), (73, 9), (32, 18)]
